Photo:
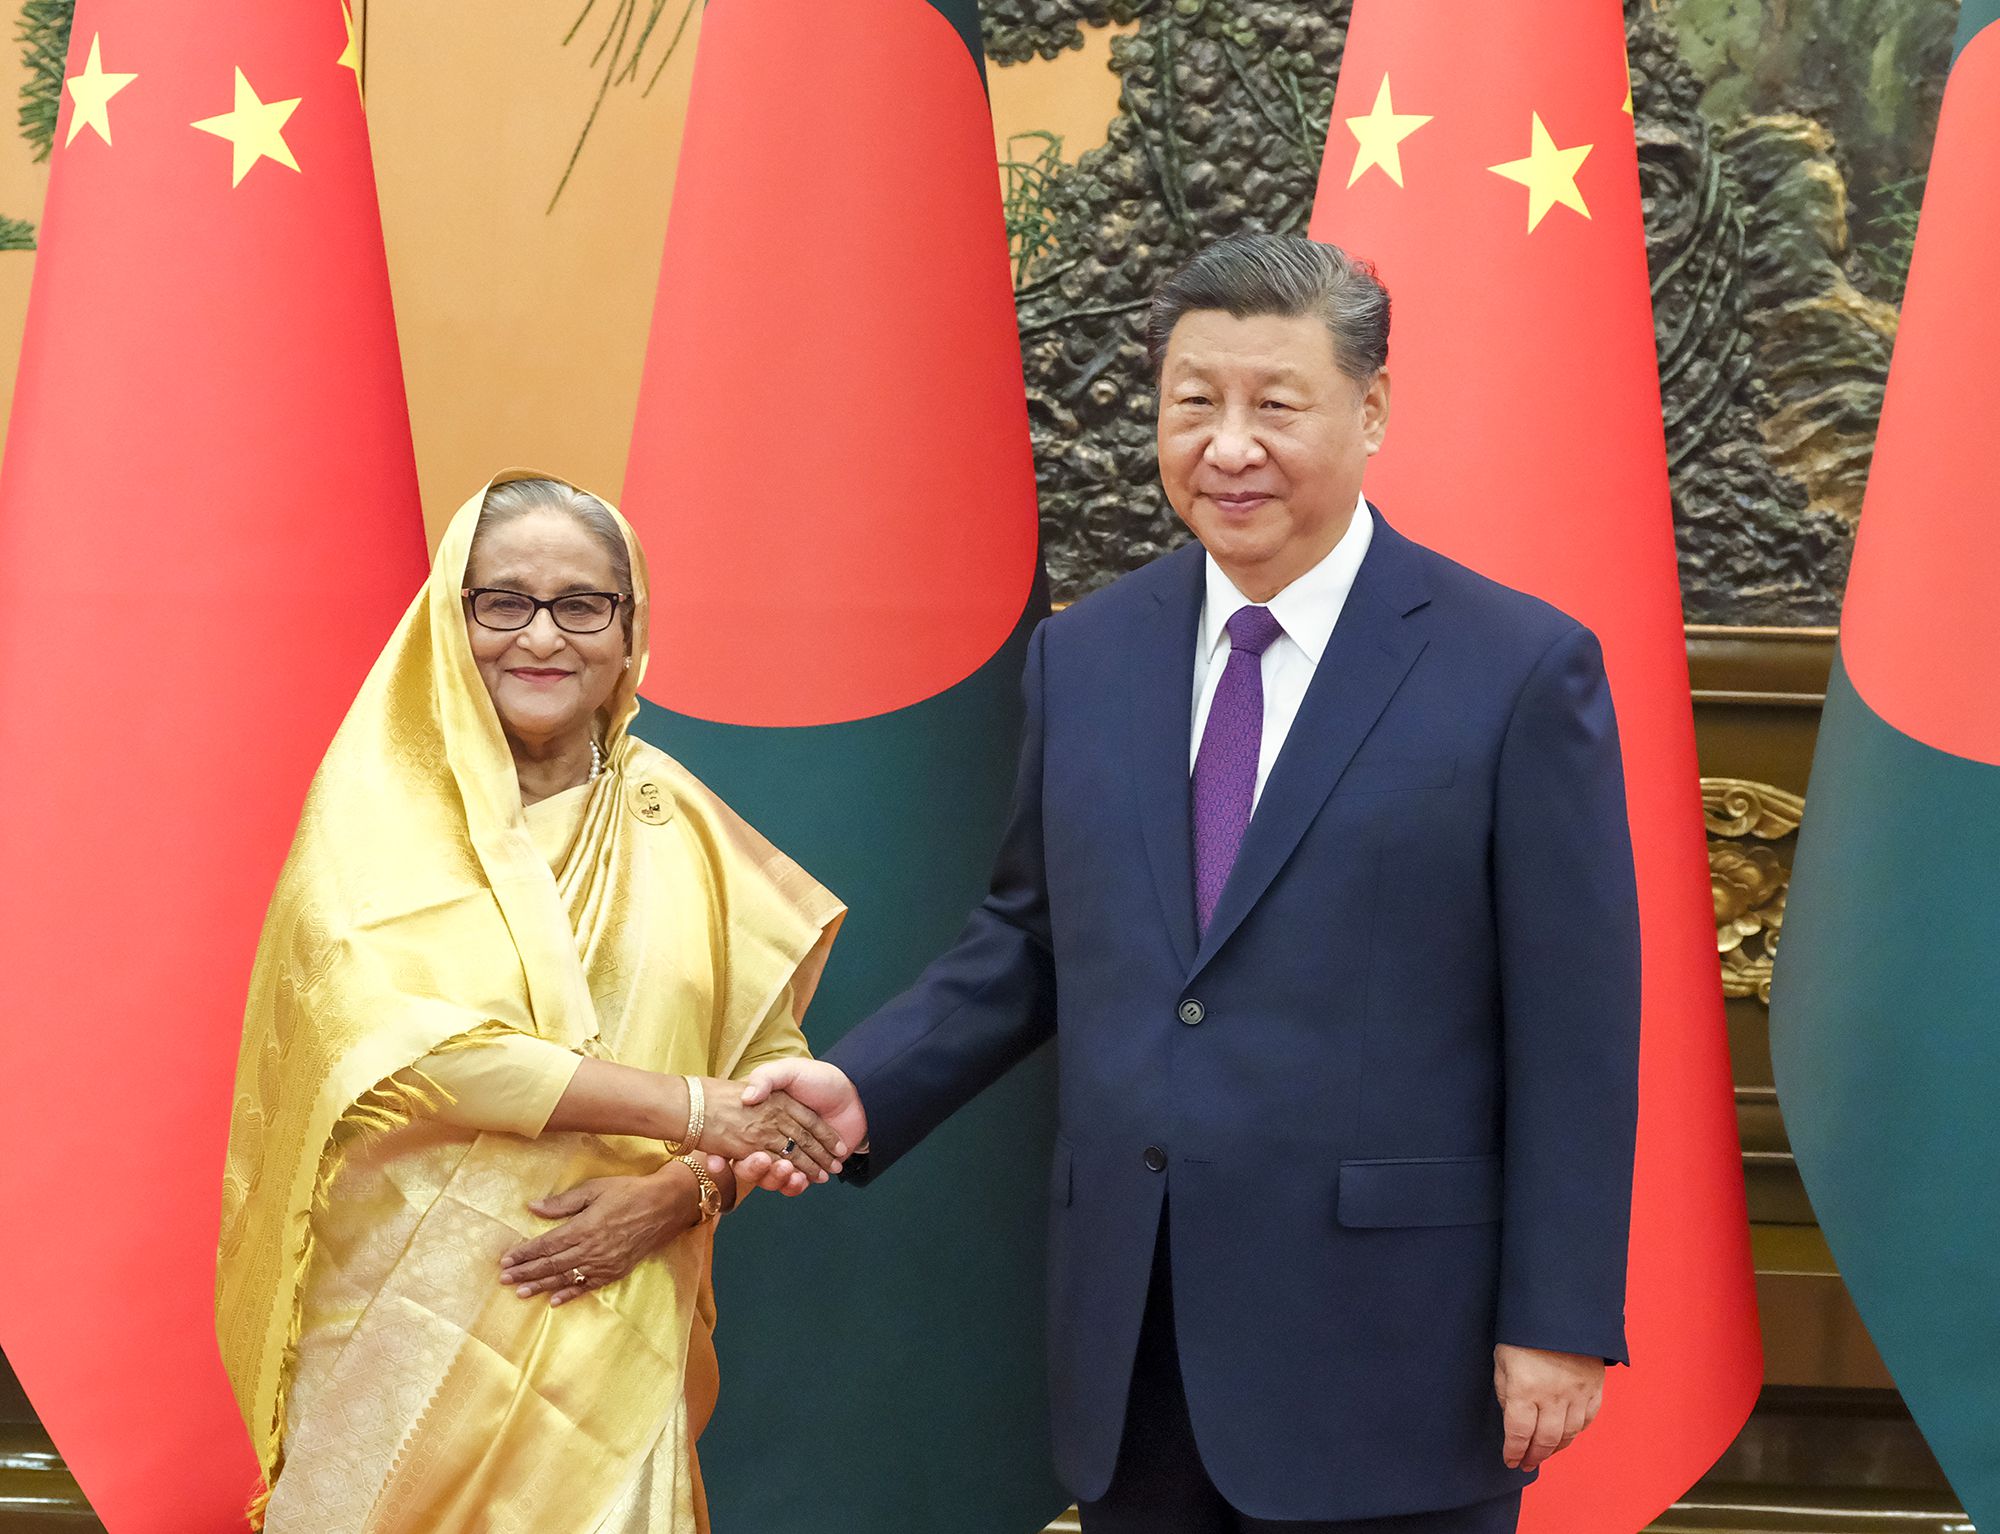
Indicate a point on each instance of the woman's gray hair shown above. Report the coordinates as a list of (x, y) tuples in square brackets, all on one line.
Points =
[(1285, 274), (507, 502)]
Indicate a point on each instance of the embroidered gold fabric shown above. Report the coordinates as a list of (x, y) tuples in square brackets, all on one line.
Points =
[(505, 1081), (392, 1384)]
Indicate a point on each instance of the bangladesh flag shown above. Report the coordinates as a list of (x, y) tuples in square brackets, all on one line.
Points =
[(1885, 1015), (831, 471)]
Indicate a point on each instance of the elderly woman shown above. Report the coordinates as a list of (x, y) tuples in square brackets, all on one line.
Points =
[(515, 964)]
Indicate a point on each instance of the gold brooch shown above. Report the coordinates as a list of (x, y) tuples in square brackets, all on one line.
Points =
[(650, 802)]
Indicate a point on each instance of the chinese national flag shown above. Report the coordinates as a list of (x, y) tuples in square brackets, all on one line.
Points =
[(208, 527), (1483, 157)]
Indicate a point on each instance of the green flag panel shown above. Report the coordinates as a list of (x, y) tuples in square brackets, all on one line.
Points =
[(1973, 18), (882, 1351), (1885, 1035)]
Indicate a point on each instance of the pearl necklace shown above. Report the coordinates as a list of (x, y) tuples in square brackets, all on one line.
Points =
[(596, 763)]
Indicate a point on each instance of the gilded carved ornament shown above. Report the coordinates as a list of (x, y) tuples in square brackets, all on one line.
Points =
[(1749, 879)]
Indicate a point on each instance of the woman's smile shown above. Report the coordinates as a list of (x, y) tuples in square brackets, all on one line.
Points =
[(548, 683)]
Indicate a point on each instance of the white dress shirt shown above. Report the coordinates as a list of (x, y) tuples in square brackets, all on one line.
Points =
[(1307, 609)]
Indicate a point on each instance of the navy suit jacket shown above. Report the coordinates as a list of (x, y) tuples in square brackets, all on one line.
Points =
[(1388, 1099)]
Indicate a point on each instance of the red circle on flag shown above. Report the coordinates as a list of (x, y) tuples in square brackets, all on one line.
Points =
[(1920, 630), (831, 466)]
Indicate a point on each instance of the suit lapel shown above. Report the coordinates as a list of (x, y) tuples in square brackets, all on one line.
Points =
[(1162, 711), (1365, 661)]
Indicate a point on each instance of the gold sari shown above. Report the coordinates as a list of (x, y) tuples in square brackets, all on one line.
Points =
[(419, 911)]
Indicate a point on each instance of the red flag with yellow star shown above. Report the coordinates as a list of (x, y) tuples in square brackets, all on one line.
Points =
[(208, 527), (1483, 157)]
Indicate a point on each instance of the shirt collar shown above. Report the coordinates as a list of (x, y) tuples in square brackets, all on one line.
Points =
[(1308, 608)]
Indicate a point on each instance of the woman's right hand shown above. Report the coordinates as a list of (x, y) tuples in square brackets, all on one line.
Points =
[(780, 1125)]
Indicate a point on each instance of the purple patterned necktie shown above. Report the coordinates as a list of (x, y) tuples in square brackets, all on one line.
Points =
[(1225, 769)]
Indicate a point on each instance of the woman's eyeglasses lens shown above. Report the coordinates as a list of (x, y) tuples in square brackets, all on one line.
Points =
[(585, 612)]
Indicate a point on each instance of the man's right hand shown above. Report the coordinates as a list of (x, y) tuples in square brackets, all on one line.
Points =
[(819, 1086)]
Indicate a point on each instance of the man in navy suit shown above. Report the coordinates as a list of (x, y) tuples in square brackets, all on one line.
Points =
[(1319, 875)]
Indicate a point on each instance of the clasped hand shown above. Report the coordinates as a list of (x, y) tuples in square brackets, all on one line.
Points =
[(825, 1091), (769, 1119)]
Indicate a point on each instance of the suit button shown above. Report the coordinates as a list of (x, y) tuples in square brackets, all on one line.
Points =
[(1192, 1012), (1156, 1159)]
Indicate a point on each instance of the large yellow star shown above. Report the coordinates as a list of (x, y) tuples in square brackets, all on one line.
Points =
[(1379, 137), (90, 94), (255, 130), (350, 57), (1548, 173)]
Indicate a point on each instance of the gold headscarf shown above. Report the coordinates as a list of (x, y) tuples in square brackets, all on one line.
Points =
[(415, 912)]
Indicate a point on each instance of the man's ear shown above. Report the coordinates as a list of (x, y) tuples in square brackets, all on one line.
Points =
[(1375, 411)]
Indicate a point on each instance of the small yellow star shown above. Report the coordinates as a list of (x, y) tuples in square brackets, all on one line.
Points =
[(1380, 135), (255, 130), (91, 93), (350, 57), (1548, 173)]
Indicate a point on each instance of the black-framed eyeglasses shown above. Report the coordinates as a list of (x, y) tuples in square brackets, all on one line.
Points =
[(574, 612)]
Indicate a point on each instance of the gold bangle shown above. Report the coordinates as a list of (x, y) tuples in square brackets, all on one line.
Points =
[(690, 1139), (711, 1196)]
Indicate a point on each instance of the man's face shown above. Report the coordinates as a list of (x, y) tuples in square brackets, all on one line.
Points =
[(1262, 441)]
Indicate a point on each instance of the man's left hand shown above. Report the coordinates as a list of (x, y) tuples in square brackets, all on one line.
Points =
[(1547, 1398)]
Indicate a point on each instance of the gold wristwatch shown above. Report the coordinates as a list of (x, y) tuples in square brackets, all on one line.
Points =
[(711, 1196)]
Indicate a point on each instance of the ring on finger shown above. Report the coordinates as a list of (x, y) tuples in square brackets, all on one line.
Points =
[(790, 1146), (578, 1277)]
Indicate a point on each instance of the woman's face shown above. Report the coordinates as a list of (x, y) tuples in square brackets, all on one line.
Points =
[(546, 683)]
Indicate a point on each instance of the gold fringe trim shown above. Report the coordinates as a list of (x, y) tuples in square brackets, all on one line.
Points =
[(395, 1101)]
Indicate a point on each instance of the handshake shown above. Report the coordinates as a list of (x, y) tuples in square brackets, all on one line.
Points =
[(792, 1123), (828, 1100)]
